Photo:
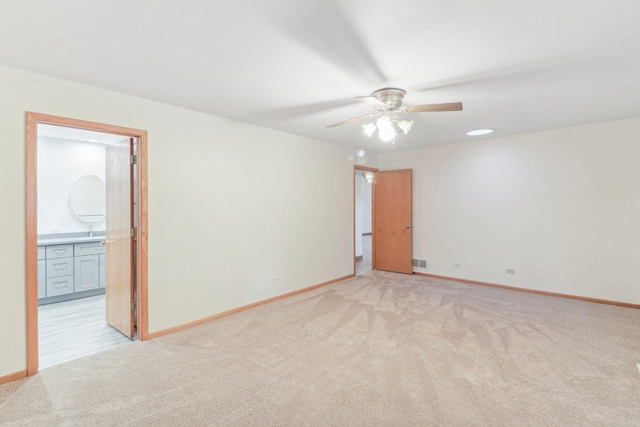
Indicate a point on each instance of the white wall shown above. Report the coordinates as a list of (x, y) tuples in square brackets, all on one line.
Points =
[(365, 213), (561, 207), (61, 163), (231, 206)]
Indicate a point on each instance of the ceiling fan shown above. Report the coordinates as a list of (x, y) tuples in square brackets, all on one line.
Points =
[(388, 103)]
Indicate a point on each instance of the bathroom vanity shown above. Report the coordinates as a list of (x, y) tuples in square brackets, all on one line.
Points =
[(70, 268)]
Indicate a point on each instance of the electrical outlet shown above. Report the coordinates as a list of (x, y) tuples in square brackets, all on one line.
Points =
[(457, 265), (511, 271)]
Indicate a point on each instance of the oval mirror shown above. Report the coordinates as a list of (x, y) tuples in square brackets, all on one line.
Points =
[(88, 199)]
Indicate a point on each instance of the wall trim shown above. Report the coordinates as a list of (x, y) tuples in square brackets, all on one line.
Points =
[(532, 291), (243, 308), (13, 377)]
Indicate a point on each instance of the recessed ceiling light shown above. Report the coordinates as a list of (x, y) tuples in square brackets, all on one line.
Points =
[(479, 132)]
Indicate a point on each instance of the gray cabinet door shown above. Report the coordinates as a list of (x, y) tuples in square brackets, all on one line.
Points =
[(42, 278), (103, 270), (87, 273)]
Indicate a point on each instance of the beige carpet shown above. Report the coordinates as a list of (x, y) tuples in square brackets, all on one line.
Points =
[(379, 349)]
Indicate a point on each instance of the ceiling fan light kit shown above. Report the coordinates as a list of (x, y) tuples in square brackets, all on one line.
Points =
[(388, 102)]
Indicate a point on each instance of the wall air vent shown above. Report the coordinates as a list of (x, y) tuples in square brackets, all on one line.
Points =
[(419, 263)]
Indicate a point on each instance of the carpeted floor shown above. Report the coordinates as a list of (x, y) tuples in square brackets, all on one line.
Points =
[(379, 349)]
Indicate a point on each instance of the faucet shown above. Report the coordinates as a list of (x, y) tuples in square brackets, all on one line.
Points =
[(90, 231)]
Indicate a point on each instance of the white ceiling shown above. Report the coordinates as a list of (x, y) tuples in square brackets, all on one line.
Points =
[(296, 65)]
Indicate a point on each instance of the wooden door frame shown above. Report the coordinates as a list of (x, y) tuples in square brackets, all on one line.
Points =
[(33, 119), (373, 218)]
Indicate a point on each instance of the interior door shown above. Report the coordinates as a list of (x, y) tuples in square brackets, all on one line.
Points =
[(119, 242), (392, 221)]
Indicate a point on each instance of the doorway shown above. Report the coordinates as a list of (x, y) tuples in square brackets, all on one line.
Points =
[(363, 219), (64, 270), (391, 220), (72, 219)]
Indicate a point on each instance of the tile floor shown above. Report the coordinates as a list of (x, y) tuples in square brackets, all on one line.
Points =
[(364, 265)]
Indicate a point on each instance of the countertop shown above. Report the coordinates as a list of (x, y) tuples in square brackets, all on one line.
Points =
[(69, 240)]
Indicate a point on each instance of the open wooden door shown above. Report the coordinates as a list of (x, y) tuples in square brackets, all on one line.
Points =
[(119, 241), (392, 221)]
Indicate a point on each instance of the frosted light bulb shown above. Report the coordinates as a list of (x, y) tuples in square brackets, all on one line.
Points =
[(383, 123), (361, 152), (351, 157), (369, 177), (405, 126), (387, 134), (369, 128)]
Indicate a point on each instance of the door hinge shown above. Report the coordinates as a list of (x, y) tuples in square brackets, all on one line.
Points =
[(134, 233), (134, 305), (134, 159)]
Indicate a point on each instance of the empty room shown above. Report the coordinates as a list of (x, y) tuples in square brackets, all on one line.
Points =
[(320, 213)]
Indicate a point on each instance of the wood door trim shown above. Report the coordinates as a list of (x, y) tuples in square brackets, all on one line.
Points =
[(531, 291), (373, 218), (32, 244), (13, 377), (32, 121), (365, 168)]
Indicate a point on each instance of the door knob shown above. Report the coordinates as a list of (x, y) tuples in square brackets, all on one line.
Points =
[(407, 226), (105, 242)]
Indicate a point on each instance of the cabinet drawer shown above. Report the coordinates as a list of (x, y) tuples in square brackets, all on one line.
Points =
[(59, 251), (59, 267), (59, 286), (88, 248), (41, 252)]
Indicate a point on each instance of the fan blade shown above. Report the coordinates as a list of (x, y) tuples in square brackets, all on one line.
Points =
[(430, 108), (370, 100), (355, 119)]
